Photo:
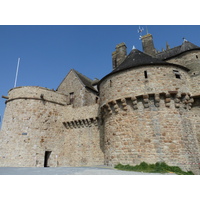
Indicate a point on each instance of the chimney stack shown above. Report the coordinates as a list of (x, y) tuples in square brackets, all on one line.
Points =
[(148, 45), (119, 55)]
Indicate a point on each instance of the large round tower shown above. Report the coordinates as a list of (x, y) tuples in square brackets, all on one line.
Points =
[(145, 104), (31, 128)]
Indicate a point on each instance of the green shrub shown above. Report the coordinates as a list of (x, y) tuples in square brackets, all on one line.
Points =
[(159, 167)]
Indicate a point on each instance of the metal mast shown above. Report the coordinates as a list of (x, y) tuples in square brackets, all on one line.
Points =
[(17, 72)]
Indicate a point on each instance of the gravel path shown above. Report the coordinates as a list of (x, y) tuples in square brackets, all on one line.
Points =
[(97, 170)]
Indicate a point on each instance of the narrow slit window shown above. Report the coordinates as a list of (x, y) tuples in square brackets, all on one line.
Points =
[(110, 83), (145, 74), (197, 56), (177, 74)]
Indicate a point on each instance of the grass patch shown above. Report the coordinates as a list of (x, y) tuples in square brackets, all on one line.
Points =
[(159, 167)]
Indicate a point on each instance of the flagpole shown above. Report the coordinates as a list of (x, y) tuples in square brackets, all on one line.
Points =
[(17, 72)]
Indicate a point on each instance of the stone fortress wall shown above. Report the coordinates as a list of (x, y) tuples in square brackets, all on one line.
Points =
[(33, 124), (143, 113), (159, 79), (191, 60), (148, 119)]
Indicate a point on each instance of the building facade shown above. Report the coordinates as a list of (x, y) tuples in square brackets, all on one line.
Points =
[(146, 109)]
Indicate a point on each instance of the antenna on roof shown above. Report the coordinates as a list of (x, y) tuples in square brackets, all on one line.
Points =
[(184, 40), (140, 32), (17, 72)]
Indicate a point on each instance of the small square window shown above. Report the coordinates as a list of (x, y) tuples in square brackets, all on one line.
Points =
[(177, 74)]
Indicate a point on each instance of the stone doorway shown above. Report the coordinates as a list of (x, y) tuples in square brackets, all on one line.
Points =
[(46, 158)]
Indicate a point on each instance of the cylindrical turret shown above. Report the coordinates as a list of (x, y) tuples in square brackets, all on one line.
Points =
[(31, 130), (145, 111)]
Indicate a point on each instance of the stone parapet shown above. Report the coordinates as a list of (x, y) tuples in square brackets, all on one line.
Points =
[(36, 93)]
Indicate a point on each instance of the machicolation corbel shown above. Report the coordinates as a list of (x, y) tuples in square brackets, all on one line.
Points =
[(77, 124), (115, 106), (89, 122), (157, 99), (80, 123), (108, 108), (167, 100), (95, 121), (146, 100), (134, 102), (70, 125), (124, 105)]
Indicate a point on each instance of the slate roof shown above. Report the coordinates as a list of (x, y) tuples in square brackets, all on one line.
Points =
[(137, 58), (85, 80), (186, 46)]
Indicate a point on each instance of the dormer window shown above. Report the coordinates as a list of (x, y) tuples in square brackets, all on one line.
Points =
[(177, 74)]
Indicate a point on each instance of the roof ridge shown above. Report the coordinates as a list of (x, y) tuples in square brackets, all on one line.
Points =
[(169, 49), (85, 80), (79, 73), (185, 46)]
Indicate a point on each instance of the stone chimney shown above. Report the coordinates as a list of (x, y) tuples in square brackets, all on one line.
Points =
[(119, 55), (148, 45)]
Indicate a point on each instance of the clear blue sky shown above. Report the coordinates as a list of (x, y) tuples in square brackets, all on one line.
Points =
[(47, 53)]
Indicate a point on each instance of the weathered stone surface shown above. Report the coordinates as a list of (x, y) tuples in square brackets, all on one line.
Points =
[(156, 131), (145, 113), (76, 142)]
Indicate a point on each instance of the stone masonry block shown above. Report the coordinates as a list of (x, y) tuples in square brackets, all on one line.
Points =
[(167, 100)]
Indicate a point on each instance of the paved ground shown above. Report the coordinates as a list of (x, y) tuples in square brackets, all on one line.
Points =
[(97, 170)]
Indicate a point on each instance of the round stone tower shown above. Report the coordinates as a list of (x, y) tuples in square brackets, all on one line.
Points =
[(31, 128), (145, 104)]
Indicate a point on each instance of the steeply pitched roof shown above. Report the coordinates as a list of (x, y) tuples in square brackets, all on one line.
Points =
[(85, 80), (186, 46), (137, 58)]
